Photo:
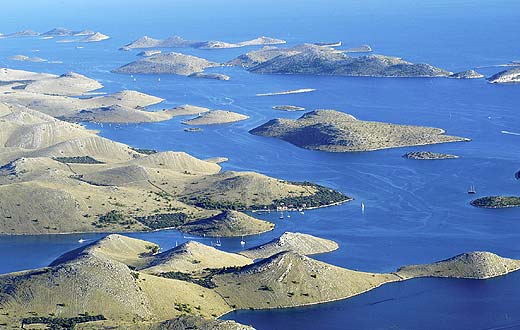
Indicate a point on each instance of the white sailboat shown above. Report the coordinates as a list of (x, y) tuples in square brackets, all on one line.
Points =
[(242, 242)]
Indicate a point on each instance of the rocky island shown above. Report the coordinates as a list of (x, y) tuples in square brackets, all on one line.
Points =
[(288, 108), (179, 42), (24, 58), (127, 283), (469, 74), (427, 155), (216, 76), (506, 77), (167, 63), (497, 202), (216, 117), (334, 131), (320, 60)]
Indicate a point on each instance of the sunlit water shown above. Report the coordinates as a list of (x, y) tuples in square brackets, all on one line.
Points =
[(416, 211)]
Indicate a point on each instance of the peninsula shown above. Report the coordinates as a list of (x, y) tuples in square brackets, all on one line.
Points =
[(126, 283)]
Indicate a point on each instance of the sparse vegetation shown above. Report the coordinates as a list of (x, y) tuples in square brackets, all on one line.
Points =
[(77, 160), (165, 220), (58, 323)]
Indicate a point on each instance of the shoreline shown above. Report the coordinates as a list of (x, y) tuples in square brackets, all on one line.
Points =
[(169, 228)]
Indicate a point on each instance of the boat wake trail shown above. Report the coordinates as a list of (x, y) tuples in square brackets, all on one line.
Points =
[(510, 133)]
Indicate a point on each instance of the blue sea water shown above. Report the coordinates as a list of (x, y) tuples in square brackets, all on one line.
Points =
[(416, 211)]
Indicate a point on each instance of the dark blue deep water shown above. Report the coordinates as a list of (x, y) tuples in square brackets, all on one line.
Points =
[(416, 212)]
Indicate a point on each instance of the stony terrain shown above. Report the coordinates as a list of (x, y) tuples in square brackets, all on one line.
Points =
[(167, 63), (297, 242), (216, 117), (427, 155), (334, 131), (505, 77)]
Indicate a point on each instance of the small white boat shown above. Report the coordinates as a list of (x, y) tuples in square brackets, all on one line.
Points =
[(362, 207), (81, 241), (288, 215), (281, 215), (242, 242), (217, 243)]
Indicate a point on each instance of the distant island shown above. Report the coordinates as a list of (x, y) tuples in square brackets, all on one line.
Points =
[(216, 76), (321, 60), (427, 155), (179, 42), (24, 58), (216, 117), (334, 131), (469, 74), (127, 283), (506, 77), (167, 63), (60, 33), (497, 202), (288, 108)]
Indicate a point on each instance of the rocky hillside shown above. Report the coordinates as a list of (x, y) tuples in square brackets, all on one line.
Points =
[(227, 224), (297, 242), (506, 76)]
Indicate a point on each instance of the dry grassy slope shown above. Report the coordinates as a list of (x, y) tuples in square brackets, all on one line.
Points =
[(67, 84), (47, 196), (193, 257), (129, 251), (228, 224), (39, 196), (249, 188), (476, 265), (297, 242), (96, 284), (9, 75), (177, 161), (334, 131), (289, 279)]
